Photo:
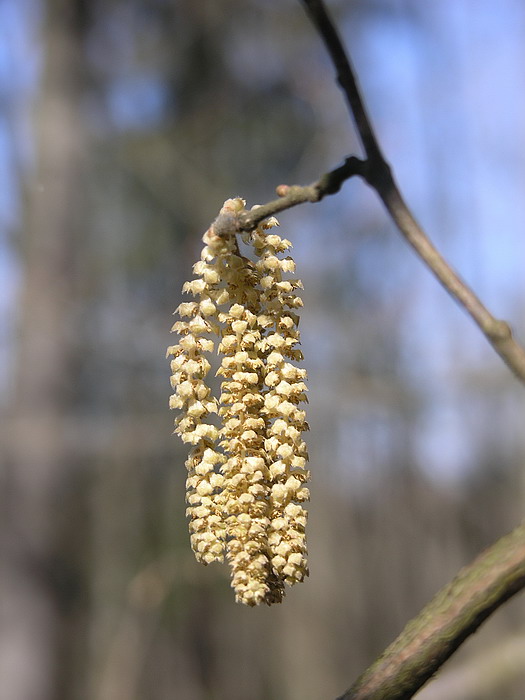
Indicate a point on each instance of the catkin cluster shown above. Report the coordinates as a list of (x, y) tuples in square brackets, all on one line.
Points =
[(247, 465)]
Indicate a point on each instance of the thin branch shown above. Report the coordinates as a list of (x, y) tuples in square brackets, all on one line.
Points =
[(292, 195), (378, 174), (497, 332), (345, 77), (453, 615)]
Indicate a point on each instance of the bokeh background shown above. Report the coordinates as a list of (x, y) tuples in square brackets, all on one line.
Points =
[(124, 125)]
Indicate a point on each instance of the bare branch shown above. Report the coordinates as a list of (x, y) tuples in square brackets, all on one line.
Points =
[(291, 195), (345, 77), (453, 615), (378, 174), (497, 332)]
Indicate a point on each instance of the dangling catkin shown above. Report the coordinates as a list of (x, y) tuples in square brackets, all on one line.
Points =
[(246, 478)]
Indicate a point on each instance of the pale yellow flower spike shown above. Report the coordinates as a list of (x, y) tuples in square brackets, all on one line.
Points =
[(286, 451), (244, 497)]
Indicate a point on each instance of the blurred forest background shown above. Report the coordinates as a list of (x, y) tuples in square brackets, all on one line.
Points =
[(124, 125)]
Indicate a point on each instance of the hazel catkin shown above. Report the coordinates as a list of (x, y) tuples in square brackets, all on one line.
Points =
[(247, 466)]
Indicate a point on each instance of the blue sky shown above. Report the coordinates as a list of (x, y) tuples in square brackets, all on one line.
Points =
[(19, 69)]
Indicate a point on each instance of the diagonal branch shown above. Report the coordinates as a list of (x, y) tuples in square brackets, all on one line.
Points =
[(376, 171), (453, 615), (378, 174), (345, 77)]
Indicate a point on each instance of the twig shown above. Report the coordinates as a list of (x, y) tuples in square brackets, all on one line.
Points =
[(292, 195), (376, 171), (453, 615), (345, 77), (378, 174)]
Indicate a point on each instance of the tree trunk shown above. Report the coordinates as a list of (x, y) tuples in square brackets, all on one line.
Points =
[(36, 459)]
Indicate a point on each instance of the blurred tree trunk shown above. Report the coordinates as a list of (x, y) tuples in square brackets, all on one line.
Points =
[(37, 462)]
